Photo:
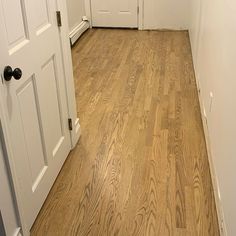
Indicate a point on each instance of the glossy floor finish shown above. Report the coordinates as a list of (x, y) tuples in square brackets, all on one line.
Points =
[(140, 167)]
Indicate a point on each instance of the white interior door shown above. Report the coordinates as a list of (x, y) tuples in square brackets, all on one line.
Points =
[(35, 105), (115, 13)]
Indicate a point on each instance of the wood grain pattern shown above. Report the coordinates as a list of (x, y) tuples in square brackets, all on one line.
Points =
[(141, 165)]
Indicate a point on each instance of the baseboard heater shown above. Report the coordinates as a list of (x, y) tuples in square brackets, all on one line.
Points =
[(78, 31)]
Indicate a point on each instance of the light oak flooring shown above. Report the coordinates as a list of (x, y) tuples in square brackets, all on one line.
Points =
[(141, 166)]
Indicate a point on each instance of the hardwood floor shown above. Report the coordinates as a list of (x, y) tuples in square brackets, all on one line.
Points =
[(140, 167)]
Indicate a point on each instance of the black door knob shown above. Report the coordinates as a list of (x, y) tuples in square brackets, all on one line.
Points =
[(9, 73)]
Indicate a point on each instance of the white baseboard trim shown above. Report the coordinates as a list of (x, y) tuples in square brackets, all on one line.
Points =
[(78, 31), (77, 132), (216, 189), (17, 232), (77, 127)]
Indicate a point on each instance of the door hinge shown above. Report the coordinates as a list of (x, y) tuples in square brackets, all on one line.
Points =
[(70, 124), (59, 24)]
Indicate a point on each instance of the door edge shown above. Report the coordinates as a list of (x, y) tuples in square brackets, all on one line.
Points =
[(75, 133)]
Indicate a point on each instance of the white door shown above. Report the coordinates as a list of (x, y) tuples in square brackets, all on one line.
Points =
[(35, 105), (115, 13)]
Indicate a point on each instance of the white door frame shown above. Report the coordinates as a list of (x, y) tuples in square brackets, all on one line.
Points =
[(140, 14), (140, 4), (8, 205), (9, 156), (71, 105), (68, 73)]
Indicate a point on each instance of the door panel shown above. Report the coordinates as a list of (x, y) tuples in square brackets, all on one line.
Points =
[(41, 17), (35, 105), (54, 131), (15, 35), (32, 129), (114, 13)]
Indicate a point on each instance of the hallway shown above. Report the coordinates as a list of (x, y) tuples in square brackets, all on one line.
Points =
[(140, 167)]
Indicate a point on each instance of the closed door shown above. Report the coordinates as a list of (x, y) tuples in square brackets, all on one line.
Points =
[(115, 13), (35, 102)]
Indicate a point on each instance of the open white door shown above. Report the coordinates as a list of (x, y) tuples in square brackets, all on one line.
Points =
[(115, 13), (35, 104)]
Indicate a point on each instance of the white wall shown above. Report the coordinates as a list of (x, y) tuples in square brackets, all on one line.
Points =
[(166, 14), (76, 9), (213, 38)]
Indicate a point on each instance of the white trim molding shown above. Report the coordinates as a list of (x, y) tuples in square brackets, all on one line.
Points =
[(18, 232), (15, 181), (140, 14), (88, 12), (78, 31), (68, 74)]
